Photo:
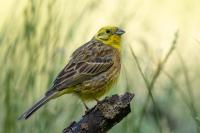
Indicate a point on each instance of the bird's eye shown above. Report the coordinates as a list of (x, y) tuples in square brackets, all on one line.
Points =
[(108, 31)]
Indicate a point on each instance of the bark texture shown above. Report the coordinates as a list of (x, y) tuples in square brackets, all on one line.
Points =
[(103, 116)]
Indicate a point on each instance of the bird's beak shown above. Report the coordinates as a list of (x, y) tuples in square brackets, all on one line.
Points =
[(119, 31)]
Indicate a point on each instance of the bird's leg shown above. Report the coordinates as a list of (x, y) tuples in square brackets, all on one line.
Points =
[(96, 100), (86, 107)]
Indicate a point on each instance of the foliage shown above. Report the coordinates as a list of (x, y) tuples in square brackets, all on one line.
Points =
[(37, 38)]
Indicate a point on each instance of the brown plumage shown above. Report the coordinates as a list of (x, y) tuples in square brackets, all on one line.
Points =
[(91, 71)]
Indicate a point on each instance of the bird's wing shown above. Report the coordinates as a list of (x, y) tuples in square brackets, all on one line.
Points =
[(86, 62)]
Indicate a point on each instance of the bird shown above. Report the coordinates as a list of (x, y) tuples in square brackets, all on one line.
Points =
[(91, 71)]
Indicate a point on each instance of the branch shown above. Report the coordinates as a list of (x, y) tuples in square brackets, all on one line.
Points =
[(103, 116)]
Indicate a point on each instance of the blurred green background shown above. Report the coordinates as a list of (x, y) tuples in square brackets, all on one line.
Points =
[(161, 53)]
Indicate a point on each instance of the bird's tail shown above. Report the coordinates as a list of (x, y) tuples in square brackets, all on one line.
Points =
[(35, 107)]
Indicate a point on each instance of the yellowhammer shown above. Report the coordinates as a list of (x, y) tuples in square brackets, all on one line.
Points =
[(91, 71)]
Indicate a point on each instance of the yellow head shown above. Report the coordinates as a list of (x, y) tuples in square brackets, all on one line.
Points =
[(110, 35)]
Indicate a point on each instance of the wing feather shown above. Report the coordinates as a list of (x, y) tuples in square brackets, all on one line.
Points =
[(83, 66)]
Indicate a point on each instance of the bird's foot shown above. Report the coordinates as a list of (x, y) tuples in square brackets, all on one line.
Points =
[(97, 100)]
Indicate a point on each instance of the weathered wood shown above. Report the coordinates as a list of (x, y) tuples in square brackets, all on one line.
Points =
[(103, 116)]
